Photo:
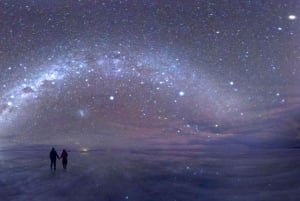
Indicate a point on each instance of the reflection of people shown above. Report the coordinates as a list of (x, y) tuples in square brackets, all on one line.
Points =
[(64, 156), (53, 156)]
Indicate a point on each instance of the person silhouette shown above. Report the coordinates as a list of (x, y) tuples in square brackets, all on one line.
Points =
[(64, 156), (53, 155)]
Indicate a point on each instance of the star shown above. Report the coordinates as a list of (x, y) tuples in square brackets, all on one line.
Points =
[(292, 17), (181, 93), (81, 113)]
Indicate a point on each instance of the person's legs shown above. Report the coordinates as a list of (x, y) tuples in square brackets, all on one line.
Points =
[(51, 164), (54, 162), (65, 162)]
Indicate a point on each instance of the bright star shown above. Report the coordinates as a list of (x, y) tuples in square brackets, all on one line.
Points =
[(292, 17), (81, 113)]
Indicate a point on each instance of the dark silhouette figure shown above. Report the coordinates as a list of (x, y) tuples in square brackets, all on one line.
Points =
[(64, 156), (53, 155)]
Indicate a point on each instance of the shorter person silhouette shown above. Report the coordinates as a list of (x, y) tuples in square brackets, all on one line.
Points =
[(53, 155), (64, 156)]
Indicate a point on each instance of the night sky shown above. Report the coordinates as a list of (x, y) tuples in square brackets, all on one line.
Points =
[(98, 72)]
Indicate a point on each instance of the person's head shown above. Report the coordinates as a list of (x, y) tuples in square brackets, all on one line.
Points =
[(53, 149), (64, 150)]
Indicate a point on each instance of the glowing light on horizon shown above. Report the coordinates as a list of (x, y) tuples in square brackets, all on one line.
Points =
[(84, 149)]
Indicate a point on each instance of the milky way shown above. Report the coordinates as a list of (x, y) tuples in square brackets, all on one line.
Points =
[(145, 67)]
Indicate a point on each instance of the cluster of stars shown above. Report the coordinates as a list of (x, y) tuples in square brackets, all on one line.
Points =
[(192, 66), (82, 74)]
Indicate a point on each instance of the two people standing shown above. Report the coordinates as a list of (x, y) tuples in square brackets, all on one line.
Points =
[(53, 156)]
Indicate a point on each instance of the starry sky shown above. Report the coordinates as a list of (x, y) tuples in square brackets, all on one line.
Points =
[(93, 72)]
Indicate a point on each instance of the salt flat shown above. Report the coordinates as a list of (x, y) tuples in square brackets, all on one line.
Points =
[(151, 174)]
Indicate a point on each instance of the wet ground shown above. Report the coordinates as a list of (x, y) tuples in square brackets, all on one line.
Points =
[(158, 174)]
